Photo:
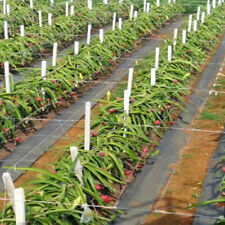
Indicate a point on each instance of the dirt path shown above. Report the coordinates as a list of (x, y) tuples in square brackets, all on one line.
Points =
[(173, 180), (185, 183)]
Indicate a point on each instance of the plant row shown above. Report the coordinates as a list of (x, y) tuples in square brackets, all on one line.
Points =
[(24, 15), (20, 51), (119, 147), (66, 79)]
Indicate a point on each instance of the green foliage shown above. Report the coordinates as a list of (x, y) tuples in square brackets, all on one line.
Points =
[(59, 196)]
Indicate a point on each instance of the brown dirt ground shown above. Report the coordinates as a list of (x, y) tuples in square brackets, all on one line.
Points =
[(185, 184)]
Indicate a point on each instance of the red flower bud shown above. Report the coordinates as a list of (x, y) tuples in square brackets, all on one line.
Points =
[(139, 165), (157, 122), (106, 198), (133, 100), (102, 154), (166, 122), (145, 149), (112, 111), (38, 99), (98, 187), (17, 139), (175, 82), (94, 133), (6, 130), (127, 172), (58, 103)]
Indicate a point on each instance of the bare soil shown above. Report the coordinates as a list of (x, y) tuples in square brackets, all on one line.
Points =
[(185, 184)]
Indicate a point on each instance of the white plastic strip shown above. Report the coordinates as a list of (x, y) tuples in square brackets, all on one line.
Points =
[(89, 34), (73, 152), (158, 3), (20, 206), (31, 4), (4, 7), (144, 6), (7, 180), (87, 214), (153, 76), (131, 12), (90, 4), (6, 34), (101, 35), (195, 25), (43, 69), (126, 102), (184, 36), (67, 9), (170, 49), (78, 169), (189, 23), (208, 9), (87, 126), (157, 51), (54, 55), (22, 32), (72, 10), (130, 79), (49, 19), (175, 33), (76, 47), (148, 7), (198, 13), (114, 21), (203, 17), (7, 78), (8, 9), (40, 18), (175, 36), (120, 23)]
